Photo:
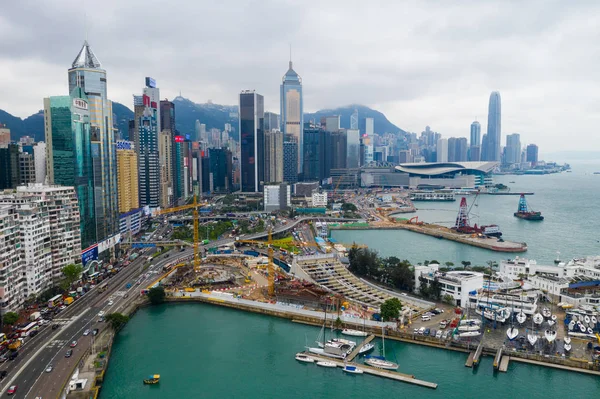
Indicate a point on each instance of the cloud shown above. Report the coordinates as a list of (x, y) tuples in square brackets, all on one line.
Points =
[(421, 63)]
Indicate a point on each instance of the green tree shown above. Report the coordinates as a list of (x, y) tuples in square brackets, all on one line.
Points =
[(156, 295), (390, 309), (448, 299), (348, 207), (72, 273), (10, 318), (116, 320), (466, 264), (449, 265)]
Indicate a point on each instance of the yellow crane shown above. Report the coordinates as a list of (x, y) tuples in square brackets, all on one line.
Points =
[(194, 206), (270, 268)]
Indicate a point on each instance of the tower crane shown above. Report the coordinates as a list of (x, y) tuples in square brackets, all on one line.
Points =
[(194, 206), (271, 267)]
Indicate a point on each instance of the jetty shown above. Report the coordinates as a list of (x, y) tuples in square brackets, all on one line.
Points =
[(498, 358), (478, 353), (393, 375), (504, 364), (354, 353)]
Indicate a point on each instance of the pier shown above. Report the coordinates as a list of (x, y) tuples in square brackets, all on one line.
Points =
[(504, 363), (393, 375), (469, 362), (477, 354), (355, 351), (497, 359)]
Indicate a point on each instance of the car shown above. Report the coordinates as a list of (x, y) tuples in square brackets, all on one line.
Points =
[(13, 355), (63, 307), (33, 333), (73, 344), (86, 332), (12, 390), (110, 303), (3, 373), (421, 330), (433, 332), (101, 313), (445, 334), (49, 368), (55, 326), (69, 353), (415, 331), (95, 332), (426, 333)]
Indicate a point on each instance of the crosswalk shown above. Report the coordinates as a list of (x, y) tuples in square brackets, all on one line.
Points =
[(57, 343)]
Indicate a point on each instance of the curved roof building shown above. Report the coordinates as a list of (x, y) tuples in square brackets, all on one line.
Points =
[(450, 169)]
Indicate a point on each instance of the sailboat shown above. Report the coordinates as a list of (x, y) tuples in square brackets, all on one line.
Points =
[(532, 337), (551, 322), (546, 313), (567, 340), (336, 347), (538, 318), (368, 346), (512, 332), (567, 347), (521, 317), (379, 361), (354, 333), (550, 335)]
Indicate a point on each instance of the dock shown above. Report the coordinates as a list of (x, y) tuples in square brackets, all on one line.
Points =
[(469, 362), (504, 363), (393, 375), (477, 354), (508, 193), (354, 353), (497, 359)]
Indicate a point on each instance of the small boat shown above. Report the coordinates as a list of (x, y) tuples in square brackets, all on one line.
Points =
[(553, 317), (468, 328), (567, 347), (323, 363), (586, 318), (511, 182), (567, 340), (521, 317), (551, 322), (301, 357), (532, 338), (469, 334), (590, 331), (582, 328), (538, 318), (523, 211), (575, 319), (546, 313), (470, 322), (550, 335), (571, 325), (352, 369), (366, 348), (354, 333), (594, 320), (341, 341), (381, 363), (153, 379), (512, 333)]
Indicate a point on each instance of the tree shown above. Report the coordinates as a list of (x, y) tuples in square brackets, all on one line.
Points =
[(449, 264), (349, 207), (390, 309), (156, 295), (10, 318), (466, 264), (448, 299), (116, 320), (72, 273)]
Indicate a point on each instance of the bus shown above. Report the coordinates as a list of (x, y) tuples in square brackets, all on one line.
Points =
[(33, 326), (55, 301), (103, 287)]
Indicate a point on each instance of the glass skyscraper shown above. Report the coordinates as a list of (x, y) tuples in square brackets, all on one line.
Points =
[(87, 74), (475, 145), (494, 130), (252, 141), (292, 110)]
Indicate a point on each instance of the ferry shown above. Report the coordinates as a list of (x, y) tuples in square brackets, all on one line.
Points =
[(153, 379), (432, 196)]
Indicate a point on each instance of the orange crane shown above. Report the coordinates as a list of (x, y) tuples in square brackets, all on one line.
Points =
[(271, 268), (194, 206)]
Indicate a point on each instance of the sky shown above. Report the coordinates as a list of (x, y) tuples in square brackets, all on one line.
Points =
[(419, 62)]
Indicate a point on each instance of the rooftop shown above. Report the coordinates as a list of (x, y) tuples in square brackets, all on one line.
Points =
[(441, 168), (86, 58)]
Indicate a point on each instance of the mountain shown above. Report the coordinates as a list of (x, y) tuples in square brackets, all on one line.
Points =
[(121, 117), (32, 126), (381, 123), (212, 115)]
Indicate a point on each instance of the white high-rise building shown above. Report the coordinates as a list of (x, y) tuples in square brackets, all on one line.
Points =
[(12, 264), (442, 150), (39, 159)]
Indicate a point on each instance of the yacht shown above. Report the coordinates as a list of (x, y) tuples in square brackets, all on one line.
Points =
[(354, 333), (352, 369), (324, 363), (381, 363), (532, 338), (512, 333), (538, 318), (567, 347), (301, 357), (521, 317), (550, 335), (366, 348), (332, 349)]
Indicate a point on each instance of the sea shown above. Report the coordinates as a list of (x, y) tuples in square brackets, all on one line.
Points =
[(204, 351)]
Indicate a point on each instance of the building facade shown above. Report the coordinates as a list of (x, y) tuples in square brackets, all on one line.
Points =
[(12, 264), (292, 108), (290, 167), (532, 154), (165, 162), (4, 135), (442, 150), (9, 166), (273, 156), (252, 140), (512, 151), (127, 165), (277, 197), (220, 161)]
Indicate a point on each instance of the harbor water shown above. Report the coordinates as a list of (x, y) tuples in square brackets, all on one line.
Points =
[(568, 202), (205, 351)]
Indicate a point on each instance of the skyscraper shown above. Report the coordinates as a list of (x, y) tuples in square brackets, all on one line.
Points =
[(4, 135), (460, 149), (87, 74), (252, 140), (354, 120), (442, 150), (9, 166), (149, 165), (290, 168), (292, 109), (167, 115), (452, 149), (272, 121), (353, 148), (220, 170), (475, 144), (273, 156), (494, 130), (512, 149), (127, 165), (532, 154)]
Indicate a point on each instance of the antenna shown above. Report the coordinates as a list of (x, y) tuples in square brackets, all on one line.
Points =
[(85, 28), (290, 55)]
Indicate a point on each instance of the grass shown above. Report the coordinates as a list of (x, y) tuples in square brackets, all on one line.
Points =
[(287, 244)]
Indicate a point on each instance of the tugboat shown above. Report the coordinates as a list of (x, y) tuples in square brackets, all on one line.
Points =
[(153, 379), (525, 213)]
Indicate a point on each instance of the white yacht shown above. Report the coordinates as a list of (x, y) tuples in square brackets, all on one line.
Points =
[(469, 334), (468, 328), (352, 369), (354, 333), (512, 333), (365, 348), (301, 357), (532, 338), (521, 317), (324, 363), (550, 335), (381, 363), (538, 318)]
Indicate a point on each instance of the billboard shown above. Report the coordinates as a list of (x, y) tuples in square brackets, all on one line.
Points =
[(109, 243), (150, 82), (89, 254), (179, 139), (124, 145)]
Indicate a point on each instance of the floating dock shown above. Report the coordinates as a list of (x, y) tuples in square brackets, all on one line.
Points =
[(393, 375), (469, 362), (497, 359), (355, 351), (478, 352), (504, 363)]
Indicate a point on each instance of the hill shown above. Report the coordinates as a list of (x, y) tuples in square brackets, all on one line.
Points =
[(212, 115), (381, 123)]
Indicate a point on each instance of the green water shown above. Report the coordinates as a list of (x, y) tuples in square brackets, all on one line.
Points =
[(204, 351)]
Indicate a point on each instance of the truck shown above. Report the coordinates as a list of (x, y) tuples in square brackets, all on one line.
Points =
[(34, 316), (16, 344), (204, 242), (68, 300), (133, 256)]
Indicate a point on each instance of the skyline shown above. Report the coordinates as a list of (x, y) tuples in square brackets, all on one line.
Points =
[(547, 89)]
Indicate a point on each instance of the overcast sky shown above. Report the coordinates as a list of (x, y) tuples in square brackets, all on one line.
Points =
[(419, 62)]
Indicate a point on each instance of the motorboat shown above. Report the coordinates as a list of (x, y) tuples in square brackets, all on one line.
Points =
[(521, 317), (546, 313), (532, 338), (338, 341), (469, 334), (503, 314), (551, 322), (354, 333), (512, 333), (567, 340), (571, 325), (582, 328), (352, 369), (550, 335), (586, 318), (468, 328), (470, 322), (590, 331), (553, 317), (324, 363), (153, 379), (381, 363), (594, 320), (301, 357), (575, 318), (365, 348), (567, 347), (538, 318)]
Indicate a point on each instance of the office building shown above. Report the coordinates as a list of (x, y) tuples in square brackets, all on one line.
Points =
[(332, 123), (456, 284), (494, 130), (178, 168), (272, 121), (532, 154), (167, 115), (452, 149), (442, 150), (252, 140), (127, 176), (165, 164), (290, 168), (277, 197), (460, 149), (353, 148), (39, 159), (9, 166), (4, 135), (292, 109), (26, 165), (86, 73), (220, 165), (314, 156), (512, 151), (369, 126), (354, 120), (273, 156), (319, 199), (69, 156), (335, 151), (475, 144), (148, 157)]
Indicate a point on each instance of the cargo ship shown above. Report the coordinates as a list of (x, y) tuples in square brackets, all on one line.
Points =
[(523, 212)]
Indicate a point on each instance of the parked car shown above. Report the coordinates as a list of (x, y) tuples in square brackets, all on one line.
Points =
[(426, 333), (55, 326), (443, 324), (12, 390), (445, 334), (3, 373), (421, 330), (13, 355), (433, 332), (425, 317), (95, 332), (69, 353), (86, 332)]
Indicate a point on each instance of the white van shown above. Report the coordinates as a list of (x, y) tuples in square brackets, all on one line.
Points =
[(425, 317)]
